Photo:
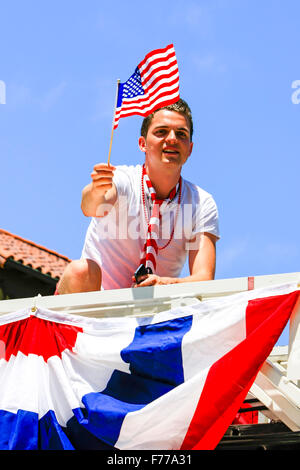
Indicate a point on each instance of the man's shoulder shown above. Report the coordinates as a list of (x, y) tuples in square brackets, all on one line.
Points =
[(129, 169), (195, 191)]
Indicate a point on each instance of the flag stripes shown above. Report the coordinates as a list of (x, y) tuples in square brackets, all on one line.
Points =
[(157, 56), (236, 370)]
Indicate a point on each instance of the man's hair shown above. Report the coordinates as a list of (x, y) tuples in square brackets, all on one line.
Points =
[(180, 107)]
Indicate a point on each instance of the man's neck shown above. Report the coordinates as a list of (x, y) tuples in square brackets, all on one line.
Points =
[(163, 182)]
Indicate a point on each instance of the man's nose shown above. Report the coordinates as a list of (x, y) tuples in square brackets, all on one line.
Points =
[(171, 137)]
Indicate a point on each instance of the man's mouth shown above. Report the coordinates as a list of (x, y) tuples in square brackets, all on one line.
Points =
[(171, 152)]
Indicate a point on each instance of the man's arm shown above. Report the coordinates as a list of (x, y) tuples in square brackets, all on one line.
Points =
[(100, 195), (202, 264)]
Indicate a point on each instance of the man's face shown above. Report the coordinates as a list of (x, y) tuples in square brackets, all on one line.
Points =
[(168, 140)]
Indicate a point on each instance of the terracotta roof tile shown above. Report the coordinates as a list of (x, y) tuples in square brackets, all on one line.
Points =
[(32, 255)]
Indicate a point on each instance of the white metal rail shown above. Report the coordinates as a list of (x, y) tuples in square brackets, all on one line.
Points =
[(145, 300)]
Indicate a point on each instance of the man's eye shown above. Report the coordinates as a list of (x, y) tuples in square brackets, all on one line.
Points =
[(181, 135)]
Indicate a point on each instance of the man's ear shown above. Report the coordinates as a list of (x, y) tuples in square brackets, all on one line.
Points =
[(142, 143)]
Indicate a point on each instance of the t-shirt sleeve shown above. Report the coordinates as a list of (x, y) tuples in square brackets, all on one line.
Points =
[(206, 216)]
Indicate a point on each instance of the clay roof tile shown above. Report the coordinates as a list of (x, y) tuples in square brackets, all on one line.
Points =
[(31, 254)]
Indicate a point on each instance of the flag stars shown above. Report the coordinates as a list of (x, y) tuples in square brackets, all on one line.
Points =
[(133, 87)]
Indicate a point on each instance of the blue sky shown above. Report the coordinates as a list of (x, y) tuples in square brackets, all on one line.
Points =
[(238, 59)]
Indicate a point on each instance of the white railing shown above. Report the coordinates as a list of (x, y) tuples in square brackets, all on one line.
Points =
[(123, 302)]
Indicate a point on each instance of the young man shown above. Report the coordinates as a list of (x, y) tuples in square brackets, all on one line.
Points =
[(147, 214)]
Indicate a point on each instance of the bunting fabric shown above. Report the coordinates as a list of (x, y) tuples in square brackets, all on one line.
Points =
[(174, 380), (154, 84)]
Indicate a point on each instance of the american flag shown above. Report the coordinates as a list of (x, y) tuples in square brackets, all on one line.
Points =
[(154, 83)]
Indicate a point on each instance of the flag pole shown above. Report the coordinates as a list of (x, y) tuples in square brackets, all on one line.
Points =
[(112, 130)]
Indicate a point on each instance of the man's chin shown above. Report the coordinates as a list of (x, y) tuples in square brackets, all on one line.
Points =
[(171, 159)]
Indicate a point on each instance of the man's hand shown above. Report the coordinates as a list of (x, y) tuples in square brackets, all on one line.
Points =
[(100, 191), (102, 178), (201, 263), (154, 280)]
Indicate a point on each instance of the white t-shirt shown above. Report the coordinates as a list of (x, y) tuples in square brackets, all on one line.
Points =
[(116, 241)]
